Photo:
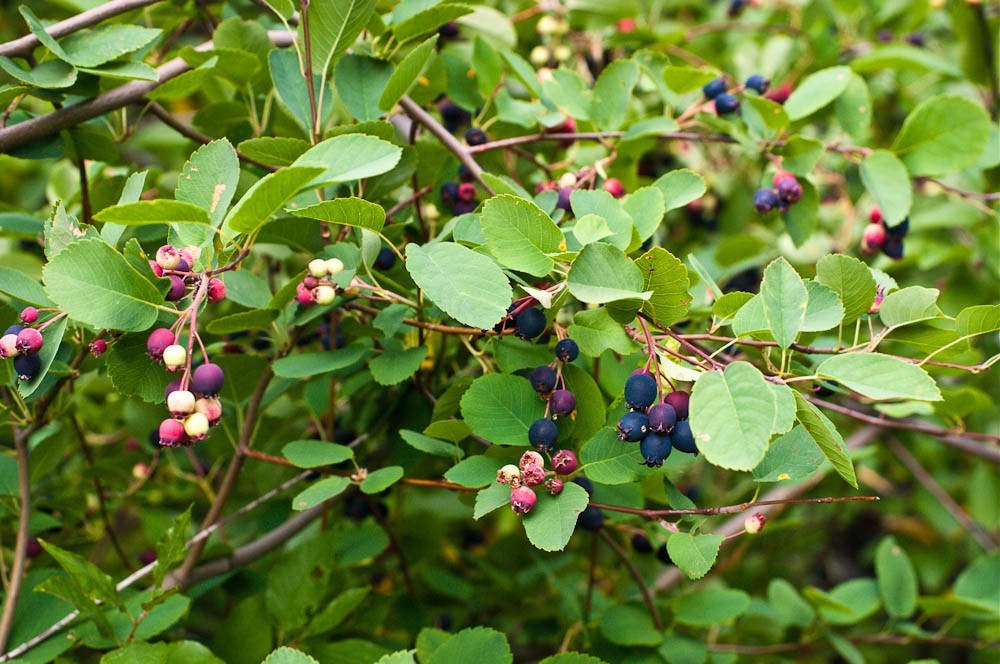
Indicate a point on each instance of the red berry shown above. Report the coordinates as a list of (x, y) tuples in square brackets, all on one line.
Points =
[(97, 347), (626, 25), (875, 216), (158, 341), (216, 290), (29, 341), (29, 315), (614, 187), (303, 295), (873, 238), (467, 192), (172, 433), (780, 94), (155, 267), (679, 400), (522, 500), (554, 485)]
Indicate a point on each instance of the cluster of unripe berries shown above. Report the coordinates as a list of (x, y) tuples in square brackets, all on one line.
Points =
[(657, 427), (880, 237), (569, 182), (21, 343), (552, 29), (530, 472), (316, 287), (176, 264), (193, 400), (561, 402), (786, 192)]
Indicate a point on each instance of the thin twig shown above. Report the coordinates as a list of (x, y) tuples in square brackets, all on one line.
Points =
[(732, 509), (23, 532), (647, 594), (190, 132)]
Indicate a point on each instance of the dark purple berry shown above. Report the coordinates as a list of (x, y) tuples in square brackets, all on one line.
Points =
[(453, 116), (714, 88), (34, 548), (543, 379), (591, 518), (449, 193), (465, 207), (464, 174), (385, 260), (29, 341), (530, 323), (29, 315), (177, 289), (564, 462), (543, 433), (158, 341), (899, 230), (207, 379), (172, 386), (633, 427), (13, 329), (915, 39), (641, 543), (758, 83), (663, 555), (765, 200), (27, 366), (679, 400), (893, 247), (725, 104), (567, 350), (147, 557), (683, 439), (475, 136), (562, 403), (654, 448), (662, 418), (789, 189), (640, 391), (563, 201), (585, 483)]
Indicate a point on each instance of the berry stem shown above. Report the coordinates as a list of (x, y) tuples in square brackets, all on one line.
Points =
[(652, 357)]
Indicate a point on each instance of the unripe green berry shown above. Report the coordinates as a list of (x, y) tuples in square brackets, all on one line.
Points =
[(317, 268), (334, 265), (174, 357), (324, 295), (180, 403), (196, 426)]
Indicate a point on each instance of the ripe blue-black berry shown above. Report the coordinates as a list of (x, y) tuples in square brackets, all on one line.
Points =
[(662, 418), (591, 518), (543, 379), (567, 350), (633, 427), (207, 379), (543, 433), (453, 116), (585, 483), (758, 82), (562, 403), (530, 323), (641, 543), (682, 438), (385, 260), (679, 400), (899, 230), (789, 189), (449, 193), (765, 200), (27, 366), (663, 555), (725, 103), (464, 174), (714, 88), (654, 448), (893, 247), (475, 136), (640, 391), (13, 329)]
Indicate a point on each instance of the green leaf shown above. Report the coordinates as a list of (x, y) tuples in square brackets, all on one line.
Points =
[(649, 127), (979, 319), (479, 298), (334, 613), (612, 92), (52, 337), (909, 305), (333, 27), (572, 658), (162, 211), (285, 655), (304, 365), (209, 180), (95, 46), (481, 645), (379, 480), (268, 196), (816, 91), (800, 154), (171, 546), (95, 285), (772, 115), (360, 81), (679, 188), (392, 367), (315, 453), (802, 218), (793, 456), (729, 304), (937, 136), (824, 310), (789, 604), (350, 157), (854, 106), (903, 57), (694, 554), (682, 80), (551, 523), (476, 471), (886, 178), (407, 73), (428, 21), (603, 273), (591, 228), (785, 299), (666, 276), (431, 445), (731, 416), (595, 332), (897, 580), (851, 280), (274, 150), (320, 492), (500, 408), (88, 578), (132, 372), (710, 606), (19, 285), (290, 87), (826, 437), (880, 376), (491, 498), (629, 626), (52, 74), (258, 319), (861, 598), (607, 460), (520, 235), (355, 212), (645, 206)]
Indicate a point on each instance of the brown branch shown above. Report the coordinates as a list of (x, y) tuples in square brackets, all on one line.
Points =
[(308, 73), (647, 594), (732, 509), (407, 201), (434, 327), (23, 46), (23, 532)]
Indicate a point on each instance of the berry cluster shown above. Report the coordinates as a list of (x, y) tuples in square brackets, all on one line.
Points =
[(880, 237), (177, 265), (22, 343), (569, 182), (786, 192), (530, 472), (529, 322), (559, 402), (657, 427), (460, 196), (315, 287)]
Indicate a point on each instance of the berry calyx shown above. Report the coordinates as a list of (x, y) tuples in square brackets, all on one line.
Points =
[(682, 438), (323, 295), (679, 400), (758, 82), (567, 350), (726, 103), (29, 341), (543, 379), (522, 500), (654, 448), (8, 346), (614, 187), (532, 476), (562, 403), (177, 289), (662, 418), (97, 347), (172, 433), (27, 366), (754, 523), (640, 391), (529, 323), (207, 379), (174, 357), (543, 433), (564, 462), (529, 459), (28, 315), (765, 200), (158, 341), (554, 486), (216, 290), (168, 258), (475, 136), (210, 408), (180, 403), (714, 88), (196, 426), (633, 427)]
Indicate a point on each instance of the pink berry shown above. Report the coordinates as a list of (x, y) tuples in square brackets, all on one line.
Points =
[(564, 462), (303, 295), (29, 315), (187, 259), (216, 290), (522, 500), (8, 346), (873, 238), (467, 192), (172, 433), (614, 187), (210, 408), (754, 523), (140, 471), (29, 341), (531, 458), (155, 267), (158, 341), (97, 347), (554, 485), (167, 257), (532, 476)]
